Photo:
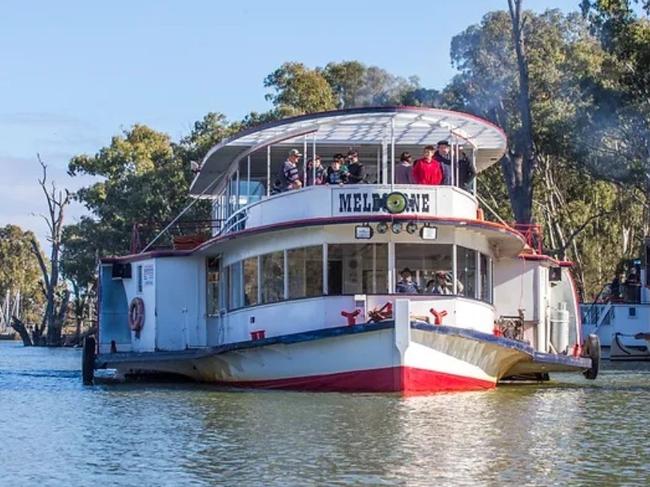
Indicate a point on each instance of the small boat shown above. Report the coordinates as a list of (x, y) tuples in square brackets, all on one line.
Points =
[(375, 286), (621, 317)]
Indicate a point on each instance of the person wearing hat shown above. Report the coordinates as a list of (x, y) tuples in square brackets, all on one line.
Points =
[(406, 285), (428, 170), (465, 171), (290, 177), (442, 284)]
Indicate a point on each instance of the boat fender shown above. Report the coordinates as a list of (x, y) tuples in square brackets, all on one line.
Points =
[(437, 316), (591, 349), (88, 361), (351, 316), (136, 315)]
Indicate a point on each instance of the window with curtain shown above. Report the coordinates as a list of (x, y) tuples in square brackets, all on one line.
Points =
[(250, 281), (213, 277), (235, 286)]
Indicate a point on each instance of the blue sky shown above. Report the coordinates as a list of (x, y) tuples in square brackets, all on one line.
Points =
[(74, 73)]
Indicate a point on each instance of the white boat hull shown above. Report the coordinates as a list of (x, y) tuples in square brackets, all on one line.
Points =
[(416, 359)]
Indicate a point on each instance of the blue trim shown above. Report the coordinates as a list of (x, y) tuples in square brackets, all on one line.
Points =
[(338, 331)]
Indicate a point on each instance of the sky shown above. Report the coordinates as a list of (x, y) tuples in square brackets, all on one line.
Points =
[(75, 73)]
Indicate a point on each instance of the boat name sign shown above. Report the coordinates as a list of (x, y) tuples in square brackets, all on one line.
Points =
[(368, 201)]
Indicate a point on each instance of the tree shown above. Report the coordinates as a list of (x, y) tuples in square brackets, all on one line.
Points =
[(56, 299), (78, 267), (19, 272), (298, 90)]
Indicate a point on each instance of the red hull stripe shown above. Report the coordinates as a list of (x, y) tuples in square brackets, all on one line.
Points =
[(407, 380)]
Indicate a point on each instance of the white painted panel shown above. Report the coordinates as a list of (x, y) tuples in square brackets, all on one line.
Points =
[(147, 340), (179, 323)]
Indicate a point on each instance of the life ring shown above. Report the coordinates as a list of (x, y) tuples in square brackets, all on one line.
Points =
[(136, 315)]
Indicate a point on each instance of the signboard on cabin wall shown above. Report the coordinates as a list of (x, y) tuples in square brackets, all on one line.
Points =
[(351, 201), (147, 275)]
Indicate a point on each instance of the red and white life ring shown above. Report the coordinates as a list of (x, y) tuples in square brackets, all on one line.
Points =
[(136, 315)]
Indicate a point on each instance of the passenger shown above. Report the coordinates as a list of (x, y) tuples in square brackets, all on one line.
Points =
[(335, 174), (442, 284), (406, 285), (442, 156), (354, 168), (319, 172), (428, 170), (404, 170), (290, 177), (466, 173)]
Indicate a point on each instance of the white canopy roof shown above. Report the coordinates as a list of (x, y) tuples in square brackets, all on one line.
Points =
[(409, 127)]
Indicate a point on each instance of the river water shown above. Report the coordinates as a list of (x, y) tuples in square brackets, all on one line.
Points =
[(55, 431)]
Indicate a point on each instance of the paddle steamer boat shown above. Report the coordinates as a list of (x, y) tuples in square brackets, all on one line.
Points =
[(297, 290)]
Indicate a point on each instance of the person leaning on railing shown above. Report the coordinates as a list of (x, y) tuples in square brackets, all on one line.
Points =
[(289, 177), (335, 174)]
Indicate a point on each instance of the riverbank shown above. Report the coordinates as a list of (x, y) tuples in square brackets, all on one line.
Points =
[(186, 434)]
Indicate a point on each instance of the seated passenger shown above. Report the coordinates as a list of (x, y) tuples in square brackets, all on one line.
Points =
[(428, 170), (335, 174), (289, 176), (404, 170), (406, 285), (319, 172), (442, 284), (354, 168)]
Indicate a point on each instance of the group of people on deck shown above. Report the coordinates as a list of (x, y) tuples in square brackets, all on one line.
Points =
[(342, 170), (440, 284), (433, 168)]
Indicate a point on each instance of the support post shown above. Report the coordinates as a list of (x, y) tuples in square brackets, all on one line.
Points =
[(402, 315), (454, 267), (392, 152), (304, 159), (268, 170)]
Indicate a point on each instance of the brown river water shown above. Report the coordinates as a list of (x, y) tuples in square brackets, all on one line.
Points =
[(55, 431)]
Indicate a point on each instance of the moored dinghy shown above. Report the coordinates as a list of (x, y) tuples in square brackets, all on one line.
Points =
[(359, 287)]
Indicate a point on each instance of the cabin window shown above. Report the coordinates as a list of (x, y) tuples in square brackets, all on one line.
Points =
[(235, 286), (250, 281), (305, 268), (357, 268), (430, 265), (212, 272), (485, 266), (272, 277), (466, 269)]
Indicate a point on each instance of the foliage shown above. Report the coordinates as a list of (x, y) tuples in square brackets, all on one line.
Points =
[(19, 271)]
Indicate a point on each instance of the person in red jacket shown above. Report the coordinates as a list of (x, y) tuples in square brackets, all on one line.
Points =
[(427, 170)]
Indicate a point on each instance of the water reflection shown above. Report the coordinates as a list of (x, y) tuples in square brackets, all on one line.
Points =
[(569, 432)]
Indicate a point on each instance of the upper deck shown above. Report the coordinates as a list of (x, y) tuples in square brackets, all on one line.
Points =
[(238, 174)]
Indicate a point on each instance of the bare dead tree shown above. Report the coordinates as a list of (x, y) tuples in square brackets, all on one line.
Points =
[(57, 201)]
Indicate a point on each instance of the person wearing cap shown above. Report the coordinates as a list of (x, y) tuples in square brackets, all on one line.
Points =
[(335, 174), (406, 285), (354, 168), (315, 172), (428, 170), (290, 177), (404, 170)]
